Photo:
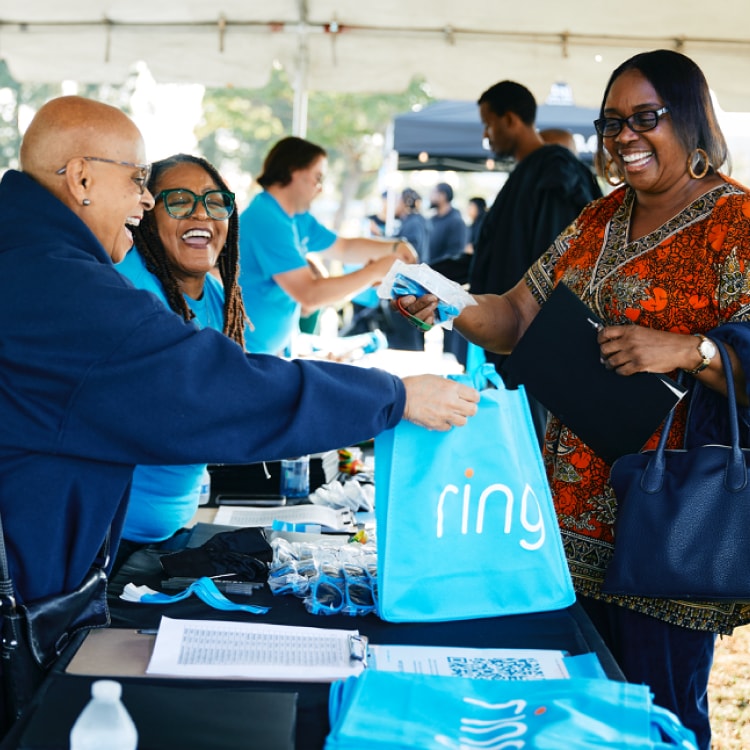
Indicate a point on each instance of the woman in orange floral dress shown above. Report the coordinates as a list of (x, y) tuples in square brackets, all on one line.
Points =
[(663, 257)]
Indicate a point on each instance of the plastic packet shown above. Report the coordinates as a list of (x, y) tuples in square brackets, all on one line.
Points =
[(420, 279), (353, 493), (330, 578)]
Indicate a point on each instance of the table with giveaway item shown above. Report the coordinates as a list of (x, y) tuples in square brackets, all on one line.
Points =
[(197, 713)]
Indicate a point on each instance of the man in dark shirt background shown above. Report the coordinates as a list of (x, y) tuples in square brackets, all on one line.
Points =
[(447, 229), (547, 189)]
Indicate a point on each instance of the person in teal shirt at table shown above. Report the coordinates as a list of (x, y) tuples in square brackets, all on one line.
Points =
[(277, 231), (192, 230)]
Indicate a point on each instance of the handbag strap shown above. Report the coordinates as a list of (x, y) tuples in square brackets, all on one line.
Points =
[(736, 471), (7, 592), (7, 595)]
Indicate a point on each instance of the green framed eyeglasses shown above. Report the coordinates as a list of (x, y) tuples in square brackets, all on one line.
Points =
[(181, 203)]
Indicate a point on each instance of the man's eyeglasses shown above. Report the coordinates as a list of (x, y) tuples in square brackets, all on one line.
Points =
[(638, 122), (141, 180), (181, 203)]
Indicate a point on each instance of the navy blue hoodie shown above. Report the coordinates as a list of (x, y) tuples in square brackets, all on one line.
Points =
[(96, 376)]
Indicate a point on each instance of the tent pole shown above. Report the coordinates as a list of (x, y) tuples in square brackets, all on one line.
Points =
[(390, 176), (299, 113)]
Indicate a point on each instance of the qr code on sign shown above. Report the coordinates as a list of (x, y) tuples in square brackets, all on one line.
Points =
[(496, 668)]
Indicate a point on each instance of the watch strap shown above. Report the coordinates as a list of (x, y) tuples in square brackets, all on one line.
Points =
[(706, 361)]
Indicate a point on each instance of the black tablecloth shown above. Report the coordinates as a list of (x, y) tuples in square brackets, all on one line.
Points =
[(567, 630)]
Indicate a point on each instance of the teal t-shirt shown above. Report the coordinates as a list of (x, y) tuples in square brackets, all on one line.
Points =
[(272, 242), (164, 498)]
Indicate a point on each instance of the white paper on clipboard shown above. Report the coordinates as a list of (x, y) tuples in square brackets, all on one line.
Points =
[(256, 651)]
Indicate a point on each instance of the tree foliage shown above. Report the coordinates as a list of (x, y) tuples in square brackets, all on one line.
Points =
[(240, 125), (14, 98), (17, 98)]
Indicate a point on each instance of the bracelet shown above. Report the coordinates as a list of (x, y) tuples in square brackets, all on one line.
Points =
[(395, 246)]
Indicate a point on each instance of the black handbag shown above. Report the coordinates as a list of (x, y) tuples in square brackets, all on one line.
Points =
[(683, 518), (35, 634)]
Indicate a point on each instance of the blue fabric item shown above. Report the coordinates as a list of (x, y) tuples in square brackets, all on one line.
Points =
[(585, 665), (133, 267), (273, 242), (209, 309), (368, 298), (367, 713), (205, 589), (96, 377), (474, 357), (466, 526), (164, 498), (402, 286)]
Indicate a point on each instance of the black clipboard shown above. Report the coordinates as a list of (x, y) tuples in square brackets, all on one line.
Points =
[(557, 361)]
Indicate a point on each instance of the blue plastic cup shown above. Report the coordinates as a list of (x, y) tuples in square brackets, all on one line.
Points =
[(295, 477)]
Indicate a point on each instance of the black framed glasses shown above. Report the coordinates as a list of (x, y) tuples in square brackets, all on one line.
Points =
[(638, 122), (181, 203), (141, 180)]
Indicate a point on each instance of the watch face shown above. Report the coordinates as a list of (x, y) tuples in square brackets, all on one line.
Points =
[(707, 348)]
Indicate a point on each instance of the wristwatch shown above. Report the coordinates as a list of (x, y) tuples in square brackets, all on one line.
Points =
[(707, 350)]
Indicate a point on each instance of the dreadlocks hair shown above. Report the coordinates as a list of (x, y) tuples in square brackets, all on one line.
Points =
[(150, 246)]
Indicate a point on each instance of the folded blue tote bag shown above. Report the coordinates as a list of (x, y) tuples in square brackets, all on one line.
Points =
[(464, 519), (395, 711)]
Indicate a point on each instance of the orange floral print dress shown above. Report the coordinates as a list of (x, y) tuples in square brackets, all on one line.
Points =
[(689, 276)]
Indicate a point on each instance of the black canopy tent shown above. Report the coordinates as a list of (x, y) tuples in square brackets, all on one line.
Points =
[(447, 135)]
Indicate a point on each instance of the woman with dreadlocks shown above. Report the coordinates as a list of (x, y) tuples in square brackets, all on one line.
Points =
[(192, 230)]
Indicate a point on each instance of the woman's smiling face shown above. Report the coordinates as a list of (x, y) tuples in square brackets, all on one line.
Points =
[(652, 161), (193, 244)]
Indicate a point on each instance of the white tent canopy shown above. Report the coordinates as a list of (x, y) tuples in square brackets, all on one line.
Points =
[(460, 46)]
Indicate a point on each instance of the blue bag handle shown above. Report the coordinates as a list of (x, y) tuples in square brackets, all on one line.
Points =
[(480, 377), (671, 728)]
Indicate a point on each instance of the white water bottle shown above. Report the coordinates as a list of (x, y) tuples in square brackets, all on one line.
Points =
[(328, 323), (204, 494), (104, 722)]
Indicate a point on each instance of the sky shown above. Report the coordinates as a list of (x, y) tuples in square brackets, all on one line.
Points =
[(166, 115)]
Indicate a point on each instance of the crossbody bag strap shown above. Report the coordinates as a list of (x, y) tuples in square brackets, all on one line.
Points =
[(102, 558), (7, 592), (7, 595)]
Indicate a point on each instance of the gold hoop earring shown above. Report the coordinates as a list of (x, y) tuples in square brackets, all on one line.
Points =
[(697, 156), (612, 173)]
